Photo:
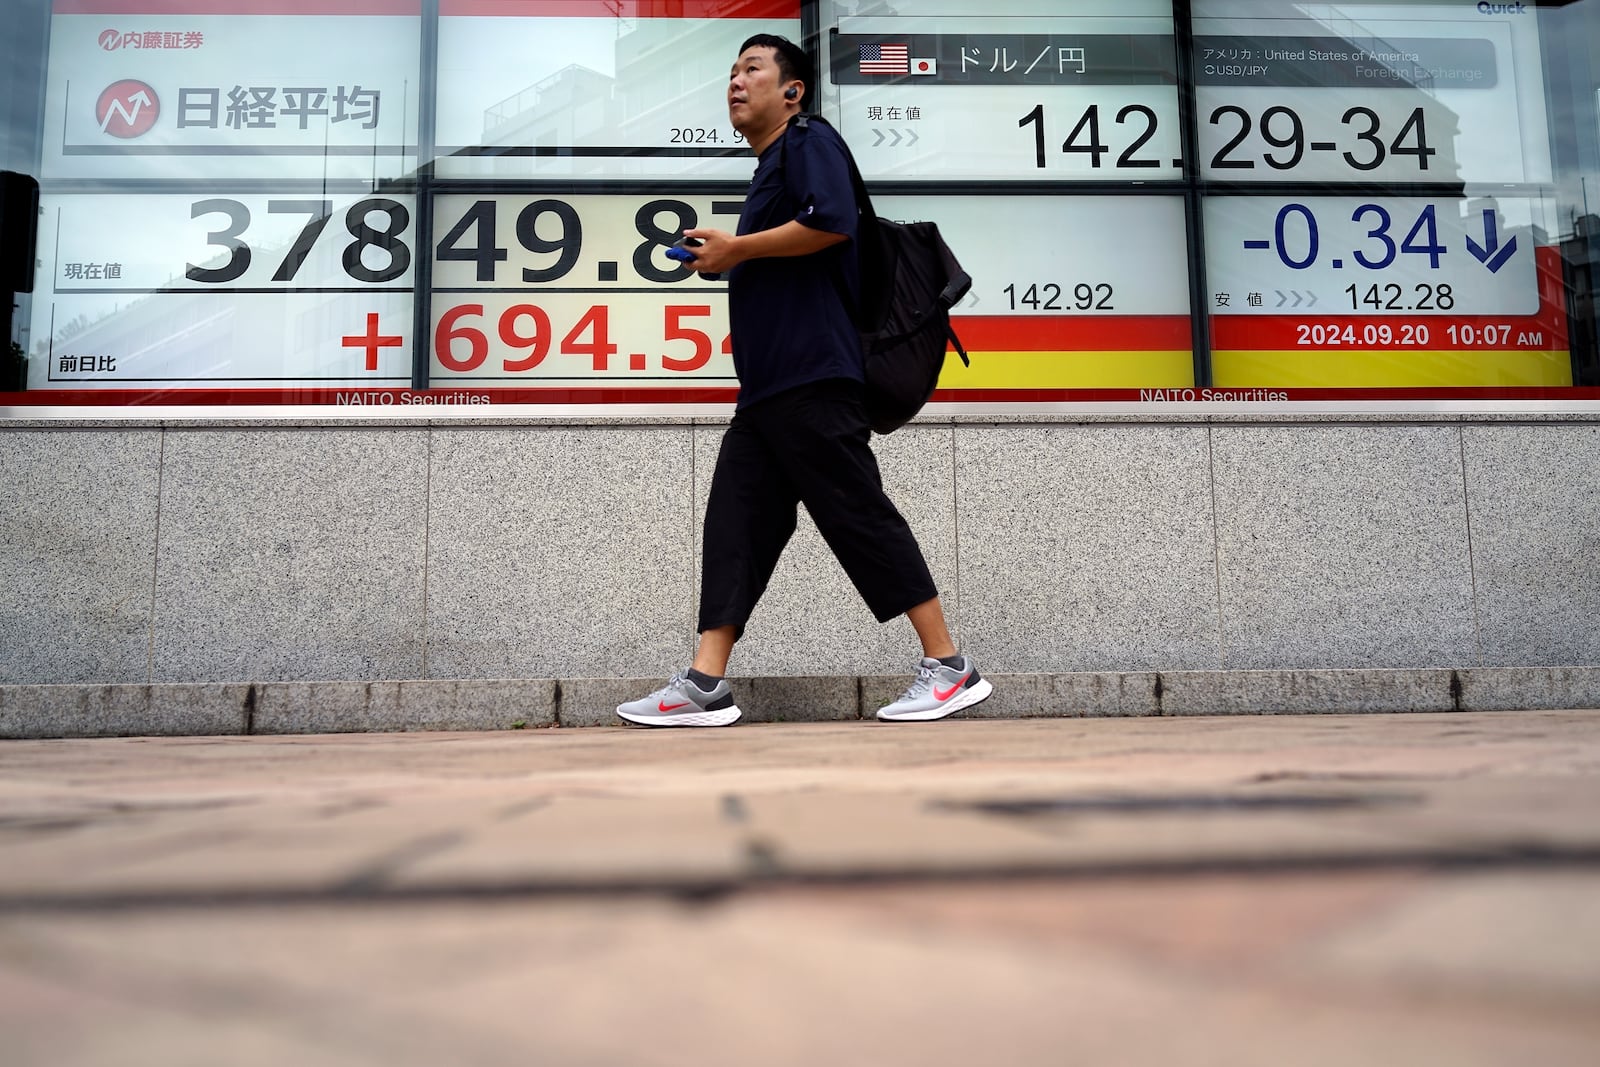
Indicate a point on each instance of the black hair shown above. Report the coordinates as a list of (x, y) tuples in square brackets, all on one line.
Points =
[(793, 63)]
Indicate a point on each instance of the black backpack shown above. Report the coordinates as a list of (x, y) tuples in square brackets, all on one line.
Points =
[(909, 282)]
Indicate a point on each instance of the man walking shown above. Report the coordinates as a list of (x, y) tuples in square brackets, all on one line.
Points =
[(799, 432)]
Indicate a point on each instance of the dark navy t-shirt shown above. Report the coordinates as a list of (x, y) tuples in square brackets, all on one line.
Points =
[(789, 325)]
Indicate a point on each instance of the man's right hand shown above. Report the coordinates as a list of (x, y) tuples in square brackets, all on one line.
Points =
[(717, 252)]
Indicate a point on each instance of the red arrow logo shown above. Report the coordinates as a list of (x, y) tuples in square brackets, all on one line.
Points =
[(127, 108)]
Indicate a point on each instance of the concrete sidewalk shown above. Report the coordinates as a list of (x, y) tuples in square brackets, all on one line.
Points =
[(1416, 889)]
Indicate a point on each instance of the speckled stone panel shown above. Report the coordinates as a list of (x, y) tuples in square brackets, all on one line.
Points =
[(593, 701), (123, 710), (811, 621), (802, 699), (1342, 546), (1075, 696), (1534, 497), (78, 526), (1086, 548), (560, 552), (1305, 692), (1518, 688), (291, 555), (417, 704)]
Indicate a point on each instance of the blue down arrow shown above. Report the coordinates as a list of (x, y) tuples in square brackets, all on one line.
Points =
[(1486, 253)]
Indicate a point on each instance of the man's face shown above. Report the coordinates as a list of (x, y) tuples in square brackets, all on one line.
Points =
[(755, 92)]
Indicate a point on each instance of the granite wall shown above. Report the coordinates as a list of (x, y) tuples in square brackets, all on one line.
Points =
[(144, 552)]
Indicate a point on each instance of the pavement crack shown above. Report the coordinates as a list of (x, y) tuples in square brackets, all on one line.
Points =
[(1269, 777), (1169, 803), (733, 808), (761, 858), (765, 872), (375, 876), (349, 806), (521, 808)]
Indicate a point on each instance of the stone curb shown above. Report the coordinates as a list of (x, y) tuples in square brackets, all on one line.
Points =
[(309, 707)]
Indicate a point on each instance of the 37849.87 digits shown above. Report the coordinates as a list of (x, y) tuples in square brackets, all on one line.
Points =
[(472, 238), (317, 213)]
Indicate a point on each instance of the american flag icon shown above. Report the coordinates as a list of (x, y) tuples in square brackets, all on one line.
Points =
[(885, 59)]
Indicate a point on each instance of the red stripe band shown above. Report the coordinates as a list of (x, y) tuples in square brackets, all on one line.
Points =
[(1443, 333), (1262, 394), (367, 396), (629, 9), (666, 398), (237, 7), (1073, 333)]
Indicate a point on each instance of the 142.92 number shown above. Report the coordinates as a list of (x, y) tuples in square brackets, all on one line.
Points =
[(1052, 297)]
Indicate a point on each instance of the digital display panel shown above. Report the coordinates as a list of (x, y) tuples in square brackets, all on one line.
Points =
[(598, 89), (230, 210), (1443, 92), (1056, 306), (1373, 293), (575, 292), (140, 89), (1383, 292), (537, 291), (246, 290), (1015, 91), (220, 213)]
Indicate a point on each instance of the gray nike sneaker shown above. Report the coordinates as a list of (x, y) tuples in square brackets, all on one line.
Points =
[(682, 703), (938, 691)]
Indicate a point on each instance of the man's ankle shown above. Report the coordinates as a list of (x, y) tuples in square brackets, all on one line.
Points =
[(706, 682)]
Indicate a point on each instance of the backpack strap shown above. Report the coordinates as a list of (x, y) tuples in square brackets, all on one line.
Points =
[(863, 198), (950, 335), (865, 216)]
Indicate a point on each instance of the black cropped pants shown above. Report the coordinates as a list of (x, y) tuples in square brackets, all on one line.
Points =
[(807, 445)]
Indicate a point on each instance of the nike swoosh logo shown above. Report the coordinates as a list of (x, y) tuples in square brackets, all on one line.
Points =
[(662, 705), (948, 693)]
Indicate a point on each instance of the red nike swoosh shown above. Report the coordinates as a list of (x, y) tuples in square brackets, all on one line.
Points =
[(948, 693), (662, 705)]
